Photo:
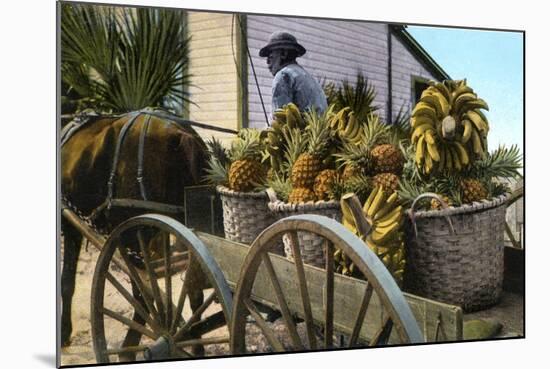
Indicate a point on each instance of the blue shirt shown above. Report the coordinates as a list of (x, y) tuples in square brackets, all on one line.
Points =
[(292, 84)]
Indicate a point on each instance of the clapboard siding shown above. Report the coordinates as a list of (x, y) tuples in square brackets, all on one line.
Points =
[(404, 68), (213, 72), (336, 51)]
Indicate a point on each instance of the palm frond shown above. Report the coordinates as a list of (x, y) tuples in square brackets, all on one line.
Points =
[(359, 96), (127, 60)]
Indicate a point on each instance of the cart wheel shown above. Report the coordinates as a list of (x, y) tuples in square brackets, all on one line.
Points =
[(308, 314), (158, 294)]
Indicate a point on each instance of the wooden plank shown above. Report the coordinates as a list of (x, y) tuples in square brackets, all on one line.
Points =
[(348, 293)]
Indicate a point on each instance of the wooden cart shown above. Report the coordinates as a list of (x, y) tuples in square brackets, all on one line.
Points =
[(240, 285)]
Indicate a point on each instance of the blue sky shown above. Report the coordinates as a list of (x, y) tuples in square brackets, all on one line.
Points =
[(492, 62)]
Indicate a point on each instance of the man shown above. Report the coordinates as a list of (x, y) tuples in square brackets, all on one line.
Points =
[(291, 82)]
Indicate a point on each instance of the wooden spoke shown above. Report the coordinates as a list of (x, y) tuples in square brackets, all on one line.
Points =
[(126, 350), (130, 323), (196, 315), (134, 276), (383, 335), (303, 289), (203, 341), (329, 295), (269, 335), (167, 277), (135, 304), (282, 303), (361, 315), (179, 308), (152, 278), (208, 324)]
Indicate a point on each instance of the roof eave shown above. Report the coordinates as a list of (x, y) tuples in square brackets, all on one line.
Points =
[(417, 50)]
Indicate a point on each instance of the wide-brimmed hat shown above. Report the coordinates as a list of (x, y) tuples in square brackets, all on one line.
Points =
[(282, 40)]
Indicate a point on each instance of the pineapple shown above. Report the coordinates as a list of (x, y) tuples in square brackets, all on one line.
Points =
[(324, 182), (309, 163), (387, 158), (472, 190), (350, 171), (301, 194), (436, 205), (388, 181), (246, 171)]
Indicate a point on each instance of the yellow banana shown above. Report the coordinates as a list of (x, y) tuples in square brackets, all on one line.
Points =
[(467, 131), (461, 90), (350, 125), (429, 98), (462, 153), (419, 155), (383, 235), (428, 162), (429, 137), (473, 105), (388, 207), (294, 115), (355, 128), (433, 152), (421, 120), (476, 119), (461, 100), (419, 131), (376, 203), (456, 159), (369, 200), (422, 108), (443, 90), (392, 217), (478, 149)]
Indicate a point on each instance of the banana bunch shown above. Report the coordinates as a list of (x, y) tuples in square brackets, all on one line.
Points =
[(448, 128), (346, 126), (284, 119), (384, 213)]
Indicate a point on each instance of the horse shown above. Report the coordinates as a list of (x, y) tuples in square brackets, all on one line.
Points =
[(101, 159)]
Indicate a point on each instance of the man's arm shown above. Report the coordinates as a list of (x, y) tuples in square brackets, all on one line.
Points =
[(282, 91)]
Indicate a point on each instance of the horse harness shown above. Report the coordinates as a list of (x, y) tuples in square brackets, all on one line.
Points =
[(144, 203)]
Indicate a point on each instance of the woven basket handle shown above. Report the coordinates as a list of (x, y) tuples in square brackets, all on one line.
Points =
[(443, 205), (271, 194)]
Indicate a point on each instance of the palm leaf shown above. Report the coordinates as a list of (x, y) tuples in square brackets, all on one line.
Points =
[(127, 60)]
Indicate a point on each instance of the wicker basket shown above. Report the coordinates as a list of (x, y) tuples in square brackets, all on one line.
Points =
[(311, 245), (457, 254), (245, 214)]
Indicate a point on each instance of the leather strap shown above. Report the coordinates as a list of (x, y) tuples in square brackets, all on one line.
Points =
[(142, 136), (121, 136)]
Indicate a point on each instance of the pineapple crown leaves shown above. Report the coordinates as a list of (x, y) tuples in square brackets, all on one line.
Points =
[(360, 184), (247, 145), (503, 162), (375, 131), (295, 145), (401, 125), (318, 132), (218, 163), (359, 96), (217, 172), (281, 186), (216, 150)]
